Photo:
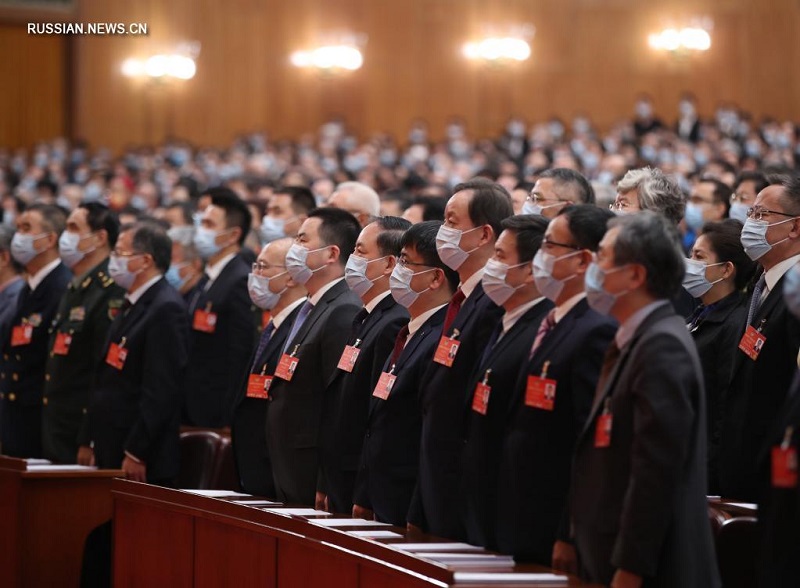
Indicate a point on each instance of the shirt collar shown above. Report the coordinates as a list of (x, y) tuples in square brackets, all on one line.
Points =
[(567, 305), (469, 285), (213, 271), (372, 304), (628, 329), (415, 323), (133, 297), (321, 292), (776, 272), (38, 277), (511, 318), (281, 316)]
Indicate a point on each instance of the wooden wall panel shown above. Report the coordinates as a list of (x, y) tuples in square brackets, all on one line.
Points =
[(588, 55)]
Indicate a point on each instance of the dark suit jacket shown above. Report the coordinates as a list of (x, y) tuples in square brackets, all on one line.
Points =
[(137, 408), (640, 504), (217, 360), (8, 306), (754, 397), (534, 471), (717, 337), (248, 432), (484, 432), (295, 412), (23, 366), (347, 402), (389, 460), (444, 394)]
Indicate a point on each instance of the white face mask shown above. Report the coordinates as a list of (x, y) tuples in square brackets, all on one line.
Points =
[(494, 281), (599, 299), (272, 229), (260, 293), (297, 263), (754, 237), (400, 285), (183, 235), (531, 208), (543, 264), (205, 241), (695, 281), (739, 211), (355, 274), (23, 249), (68, 250), (119, 272), (448, 244)]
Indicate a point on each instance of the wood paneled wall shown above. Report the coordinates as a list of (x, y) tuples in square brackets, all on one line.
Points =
[(588, 55)]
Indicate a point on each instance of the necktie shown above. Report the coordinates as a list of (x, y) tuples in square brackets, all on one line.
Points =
[(199, 291), (266, 335), (755, 301), (298, 322), (545, 327), (698, 315), (399, 344), (358, 322), (452, 310), (493, 338), (609, 361)]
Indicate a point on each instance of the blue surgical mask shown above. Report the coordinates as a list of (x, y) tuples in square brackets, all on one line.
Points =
[(400, 285), (448, 245), (693, 216), (543, 264), (272, 229), (694, 279), (68, 248), (600, 300), (260, 293), (754, 237), (23, 249), (739, 212), (205, 241), (119, 272), (173, 276), (297, 263), (355, 274), (494, 281)]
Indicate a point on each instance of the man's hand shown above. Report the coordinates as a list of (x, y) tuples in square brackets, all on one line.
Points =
[(564, 557), (360, 512), (136, 472), (85, 456), (623, 579), (321, 502)]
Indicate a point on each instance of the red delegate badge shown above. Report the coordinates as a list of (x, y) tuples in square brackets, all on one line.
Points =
[(384, 386), (447, 350), (258, 386), (116, 356), (752, 342), (63, 341), (21, 335), (204, 321)]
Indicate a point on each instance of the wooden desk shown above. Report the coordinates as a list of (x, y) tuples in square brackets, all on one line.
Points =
[(166, 537), (46, 514)]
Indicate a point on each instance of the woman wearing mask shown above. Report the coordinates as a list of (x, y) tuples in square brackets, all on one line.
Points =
[(716, 274)]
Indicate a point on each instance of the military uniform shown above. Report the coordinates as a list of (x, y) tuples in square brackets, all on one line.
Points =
[(77, 336)]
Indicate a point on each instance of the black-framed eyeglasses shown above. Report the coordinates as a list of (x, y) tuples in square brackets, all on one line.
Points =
[(260, 267), (760, 213), (404, 262), (549, 243)]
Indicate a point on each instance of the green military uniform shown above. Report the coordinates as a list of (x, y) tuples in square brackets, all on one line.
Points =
[(77, 337)]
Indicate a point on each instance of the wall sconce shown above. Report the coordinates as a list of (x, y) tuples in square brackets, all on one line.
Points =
[(501, 44), (685, 40), (329, 58), (160, 66)]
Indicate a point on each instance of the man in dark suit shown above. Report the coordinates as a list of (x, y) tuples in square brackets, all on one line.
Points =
[(272, 290), (134, 415), (11, 283), (465, 242), (35, 245), (507, 280), (312, 351), (766, 359), (638, 502), (371, 341), (554, 392), (389, 461), (79, 330), (223, 327)]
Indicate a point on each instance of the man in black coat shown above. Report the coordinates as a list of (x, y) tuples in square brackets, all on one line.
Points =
[(272, 290), (223, 326), (35, 245), (465, 242), (389, 460), (79, 330), (371, 341), (508, 280), (134, 415), (312, 351), (638, 497), (566, 355), (766, 359)]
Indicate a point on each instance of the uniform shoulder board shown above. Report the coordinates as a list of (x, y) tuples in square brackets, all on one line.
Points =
[(86, 282)]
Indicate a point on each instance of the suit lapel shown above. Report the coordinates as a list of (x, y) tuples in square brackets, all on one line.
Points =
[(317, 312)]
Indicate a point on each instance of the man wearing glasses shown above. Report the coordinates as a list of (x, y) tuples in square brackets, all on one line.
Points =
[(555, 189), (134, 414), (766, 361)]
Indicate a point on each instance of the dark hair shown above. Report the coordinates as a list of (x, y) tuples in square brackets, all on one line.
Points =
[(151, 238), (759, 179), (6, 234), (432, 207), (724, 239), (490, 203), (53, 217), (422, 237), (100, 217), (649, 239), (791, 194), (722, 192), (303, 200), (185, 209), (567, 179), (236, 212), (587, 223), (337, 227), (529, 230), (47, 185), (391, 235)]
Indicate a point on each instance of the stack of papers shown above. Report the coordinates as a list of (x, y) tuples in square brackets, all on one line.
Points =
[(440, 547), (349, 523), (215, 493), (482, 560), (301, 512), (490, 578), (376, 534)]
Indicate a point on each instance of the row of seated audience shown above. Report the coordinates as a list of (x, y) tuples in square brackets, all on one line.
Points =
[(525, 382)]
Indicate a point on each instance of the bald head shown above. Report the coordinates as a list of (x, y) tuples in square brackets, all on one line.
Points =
[(358, 199)]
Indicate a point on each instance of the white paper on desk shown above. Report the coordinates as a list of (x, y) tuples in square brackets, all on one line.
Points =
[(303, 512), (441, 547), (504, 578), (256, 502), (37, 461), (376, 534), (475, 560), (350, 523), (749, 505), (59, 468), (214, 493)]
